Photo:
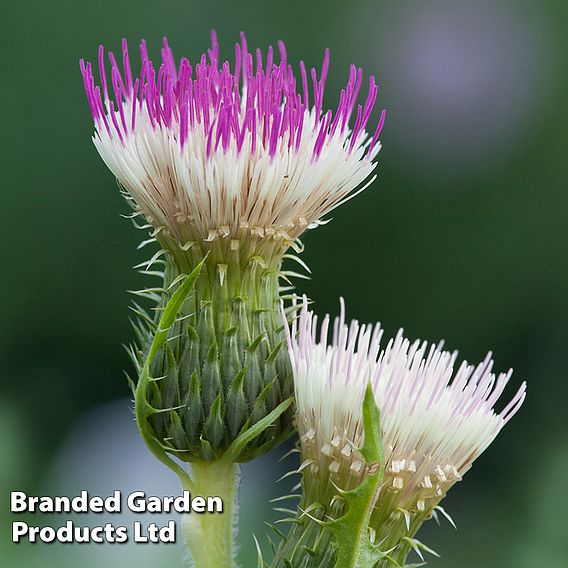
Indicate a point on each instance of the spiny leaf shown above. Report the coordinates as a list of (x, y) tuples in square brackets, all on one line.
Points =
[(253, 431), (144, 409), (351, 530)]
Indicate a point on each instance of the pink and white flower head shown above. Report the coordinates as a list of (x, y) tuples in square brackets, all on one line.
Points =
[(436, 417), (210, 151)]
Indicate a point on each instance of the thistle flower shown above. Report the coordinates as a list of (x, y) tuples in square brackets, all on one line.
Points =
[(230, 165), (435, 421)]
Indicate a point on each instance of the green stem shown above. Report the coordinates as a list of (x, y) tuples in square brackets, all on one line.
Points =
[(210, 536)]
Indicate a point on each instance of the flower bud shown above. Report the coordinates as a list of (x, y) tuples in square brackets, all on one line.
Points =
[(225, 364)]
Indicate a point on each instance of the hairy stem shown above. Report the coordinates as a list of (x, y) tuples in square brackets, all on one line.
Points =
[(210, 536)]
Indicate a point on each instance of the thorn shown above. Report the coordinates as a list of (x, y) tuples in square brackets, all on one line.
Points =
[(315, 519), (150, 262), (284, 510), (299, 261), (447, 515), (285, 498), (406, 517), (222, 268), (145, 243), (288, 454)]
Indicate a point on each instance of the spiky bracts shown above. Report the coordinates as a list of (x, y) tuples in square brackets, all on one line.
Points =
[(225, 365), (434, 422)]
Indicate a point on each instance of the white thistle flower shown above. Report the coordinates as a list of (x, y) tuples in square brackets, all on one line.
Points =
[(435, 420)]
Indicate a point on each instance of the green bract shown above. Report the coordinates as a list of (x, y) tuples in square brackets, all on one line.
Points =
[(224, 365)]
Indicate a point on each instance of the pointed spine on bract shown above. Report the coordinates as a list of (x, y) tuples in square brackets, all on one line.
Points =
[(225, 365)]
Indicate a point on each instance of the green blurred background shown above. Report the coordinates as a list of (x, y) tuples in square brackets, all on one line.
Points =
[(462, 237)]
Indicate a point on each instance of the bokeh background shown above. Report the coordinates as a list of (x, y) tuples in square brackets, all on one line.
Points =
[(463, 237)]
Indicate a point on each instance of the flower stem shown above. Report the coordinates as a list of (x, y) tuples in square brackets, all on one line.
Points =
[(210, 536)]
